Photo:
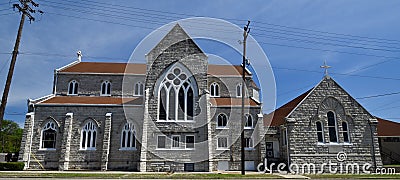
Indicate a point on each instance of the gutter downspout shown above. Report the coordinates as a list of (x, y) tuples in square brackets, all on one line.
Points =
[(55, 81), (287, 147), (372, 143)]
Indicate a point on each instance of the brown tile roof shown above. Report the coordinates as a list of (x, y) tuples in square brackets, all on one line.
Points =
[(131, 68), (388, 128), (277, 117), (93, 100), (226, 101), (225, 70), (104, 67)]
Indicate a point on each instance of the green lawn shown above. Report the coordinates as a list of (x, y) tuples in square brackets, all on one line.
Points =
[(354, 176), (134, 175)]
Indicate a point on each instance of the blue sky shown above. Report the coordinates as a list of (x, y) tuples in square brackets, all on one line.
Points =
[(359, 39)]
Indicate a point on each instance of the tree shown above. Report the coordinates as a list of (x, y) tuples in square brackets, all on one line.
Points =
[(10, 137)]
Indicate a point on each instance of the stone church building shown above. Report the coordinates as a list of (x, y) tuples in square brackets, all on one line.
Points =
[(178, 112), (324, 124)]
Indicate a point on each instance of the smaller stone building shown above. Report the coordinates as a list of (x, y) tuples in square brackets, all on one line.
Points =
[(324, 124)]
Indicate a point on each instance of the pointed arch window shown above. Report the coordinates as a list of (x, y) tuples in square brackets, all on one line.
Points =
[(320, 131), (345, 132), (176, 96), (139, 89), (332, 127), (73, 87), (88, 136), (239, 90), (128, 139), (106, 88), (248, 121), (48, 136), (214, 89), (222, 121)]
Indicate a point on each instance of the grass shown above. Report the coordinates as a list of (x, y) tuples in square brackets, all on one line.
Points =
[(354, 176), (133, 175)]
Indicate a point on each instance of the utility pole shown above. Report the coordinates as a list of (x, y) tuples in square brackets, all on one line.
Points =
[(243, 143), (26, 10)]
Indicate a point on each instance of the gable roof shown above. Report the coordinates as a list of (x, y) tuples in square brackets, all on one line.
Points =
[(388, 128), (175, 35), (277, 117), (140, 69)]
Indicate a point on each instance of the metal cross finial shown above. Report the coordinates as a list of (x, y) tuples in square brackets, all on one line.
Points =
[(326, 67)]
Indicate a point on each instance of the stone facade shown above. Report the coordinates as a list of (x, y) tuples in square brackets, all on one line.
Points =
[(167, 115), (299, 125), (89, 126)]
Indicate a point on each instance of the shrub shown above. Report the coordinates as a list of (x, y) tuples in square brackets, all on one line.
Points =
[(12, 166)]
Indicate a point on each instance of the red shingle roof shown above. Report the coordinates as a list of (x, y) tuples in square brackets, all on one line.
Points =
[(388, 128), (277, 117), (225, 70), (130, 68), (222, 101), (96, 100), (102, 67)]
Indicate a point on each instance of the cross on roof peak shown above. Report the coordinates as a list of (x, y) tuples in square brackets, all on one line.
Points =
[(326, 67)]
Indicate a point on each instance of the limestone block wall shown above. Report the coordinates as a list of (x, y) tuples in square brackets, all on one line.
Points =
[(329, 96), (90, 84), (70, 119)]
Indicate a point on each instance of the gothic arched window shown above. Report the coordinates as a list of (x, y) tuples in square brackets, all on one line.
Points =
[(248, 121), (320, 131), (332, 127), (176, 95), (106, 88), (139, 89), (88, 136), (73, 88), (239, 90), (222, 121), (214, 89), (128, 136), (345, 132), (49, 135)]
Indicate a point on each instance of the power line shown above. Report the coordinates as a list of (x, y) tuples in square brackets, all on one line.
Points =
[(341, 74), (165, 14), (379, 95), (326, 32)]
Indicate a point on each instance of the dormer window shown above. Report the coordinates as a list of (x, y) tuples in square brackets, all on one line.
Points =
[(106, 88), (139, 89), (214, 90), (73, 88)]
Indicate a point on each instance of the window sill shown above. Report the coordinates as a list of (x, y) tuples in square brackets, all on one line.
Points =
[(221, 128), (47, 149), (174, 149), (174, 121), (72, 94), (222, 149), (105, 95), (88, 149), (137, 95), (248, 128), (249, 149), (127, 149), (333, 144)]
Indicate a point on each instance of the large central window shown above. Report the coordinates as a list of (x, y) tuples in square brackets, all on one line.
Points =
[(176, 95)]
